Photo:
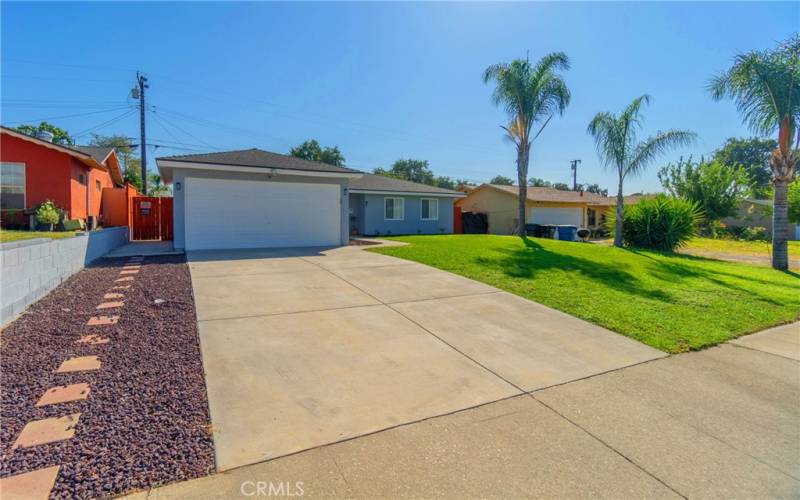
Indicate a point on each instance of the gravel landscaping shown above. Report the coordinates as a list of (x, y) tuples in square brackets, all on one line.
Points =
[(146, 419)]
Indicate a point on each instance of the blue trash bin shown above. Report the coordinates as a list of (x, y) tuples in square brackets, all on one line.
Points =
[(567, 233)]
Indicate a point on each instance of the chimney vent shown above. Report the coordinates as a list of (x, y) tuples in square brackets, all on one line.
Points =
[(45, 135)]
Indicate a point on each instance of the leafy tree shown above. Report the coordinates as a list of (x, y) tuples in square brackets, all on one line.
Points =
[(793, 197), (561, 186), (619, 149), (156, 186), (445, 182), (409, 170), (311, 150), (752, 154), (593, 188), (531, 94), (463, 182), (765, 85), (540, 183), (128, 157), (715, 187), (502, 180), (60, 136)]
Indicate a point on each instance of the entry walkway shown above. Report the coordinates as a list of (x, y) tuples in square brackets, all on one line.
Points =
[(144, 248)]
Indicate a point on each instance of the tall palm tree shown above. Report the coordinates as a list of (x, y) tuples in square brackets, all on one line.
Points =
[(531, 95), (766, 88), (618, 148)]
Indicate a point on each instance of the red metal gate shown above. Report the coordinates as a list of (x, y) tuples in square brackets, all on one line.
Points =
[(151, 218)]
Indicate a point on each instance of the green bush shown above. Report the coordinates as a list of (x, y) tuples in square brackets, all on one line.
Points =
[(47, 213), (744, 233), (660, 223)]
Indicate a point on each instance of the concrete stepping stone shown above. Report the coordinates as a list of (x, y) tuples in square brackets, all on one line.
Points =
[(131, 267), (48, 430), (79, 364), (124, 278), (102, 320), (92, 339), (110, 296), (110, 305), (34, 485), (129, 271), (64, 394), (121, 287)]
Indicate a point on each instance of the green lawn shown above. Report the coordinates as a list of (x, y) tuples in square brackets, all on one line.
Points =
[(738, 246), (7, 235), (672, 302)]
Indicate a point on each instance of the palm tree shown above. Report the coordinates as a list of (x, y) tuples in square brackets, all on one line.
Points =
[(530, 94), (618, 148), (766, 88)]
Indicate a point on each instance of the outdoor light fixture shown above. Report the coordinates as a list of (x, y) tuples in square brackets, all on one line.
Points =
[(177, 186)]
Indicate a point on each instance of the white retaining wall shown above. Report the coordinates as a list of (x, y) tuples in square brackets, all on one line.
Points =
[(30, 269)]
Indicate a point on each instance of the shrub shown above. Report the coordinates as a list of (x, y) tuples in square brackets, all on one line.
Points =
[(47, 213), (660, 223)]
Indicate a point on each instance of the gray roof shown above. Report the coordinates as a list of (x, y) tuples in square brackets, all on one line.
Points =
[(99, 153), (258, 158), (372, 182)]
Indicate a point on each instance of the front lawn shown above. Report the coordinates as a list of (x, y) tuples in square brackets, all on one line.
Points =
[(9, 235), (672, 302), (739, 246)]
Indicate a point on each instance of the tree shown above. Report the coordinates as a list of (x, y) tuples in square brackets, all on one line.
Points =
[(60, 136), (156, 186), (715, 187), (561, 186), (311, 150), (531, 95), (593, 188), (765, 85), (618, 148), (502, 180), (537, 182), (128, 158), (445, 182), (409, 170), (752, 154), (793, 199)]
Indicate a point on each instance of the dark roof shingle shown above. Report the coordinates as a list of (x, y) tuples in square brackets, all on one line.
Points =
[(372, 182), (260, 159), (99, 153)]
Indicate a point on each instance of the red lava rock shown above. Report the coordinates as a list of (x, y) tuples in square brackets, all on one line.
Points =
[(146, 422)]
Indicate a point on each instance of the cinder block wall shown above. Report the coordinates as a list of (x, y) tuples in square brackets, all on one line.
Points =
[(30, 269)]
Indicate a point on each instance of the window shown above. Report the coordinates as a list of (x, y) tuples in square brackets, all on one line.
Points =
[(393, 208), (12, 185), (429, 209), (98, 186), (590, 214)]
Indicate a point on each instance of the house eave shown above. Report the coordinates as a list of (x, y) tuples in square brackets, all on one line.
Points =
[(165, 167), (407, 193)]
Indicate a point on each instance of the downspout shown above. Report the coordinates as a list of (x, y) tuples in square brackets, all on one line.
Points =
[(88, 196)]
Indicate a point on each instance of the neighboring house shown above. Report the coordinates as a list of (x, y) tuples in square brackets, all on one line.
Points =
[(546, 206), (254, 198), (757, 213), (35, 170), (381, 205)]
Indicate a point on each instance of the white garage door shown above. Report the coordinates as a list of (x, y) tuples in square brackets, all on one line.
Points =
[(257, 214), (557, 216)]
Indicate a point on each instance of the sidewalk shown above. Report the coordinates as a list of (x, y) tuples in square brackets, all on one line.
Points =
[(716, 423)]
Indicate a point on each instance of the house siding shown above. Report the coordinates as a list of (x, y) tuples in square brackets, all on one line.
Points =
[(372, 222)]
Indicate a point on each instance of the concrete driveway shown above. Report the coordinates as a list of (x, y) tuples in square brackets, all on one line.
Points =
[(304, 348)]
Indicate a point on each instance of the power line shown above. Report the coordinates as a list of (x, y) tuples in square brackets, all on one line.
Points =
[(65, 116), (106, 123), (182, 130)]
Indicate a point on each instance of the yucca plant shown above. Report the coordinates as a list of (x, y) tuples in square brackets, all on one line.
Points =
[(660, 223)]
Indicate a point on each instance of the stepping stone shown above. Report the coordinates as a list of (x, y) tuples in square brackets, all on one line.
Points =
[(92, 339), (129, 271), (102, 320), (34, 485), (110, 305), (48, 430), (131, 267), (126, 278), (121, 287), (113, 296), (64, 394), (79, 364)]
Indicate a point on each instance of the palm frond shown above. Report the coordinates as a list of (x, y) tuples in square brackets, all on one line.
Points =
[(649, 149)]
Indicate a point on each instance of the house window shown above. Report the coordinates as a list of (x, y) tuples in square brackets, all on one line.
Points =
[(393, 208), (429, 209), (98, 186), (592, 216), (12, 186)]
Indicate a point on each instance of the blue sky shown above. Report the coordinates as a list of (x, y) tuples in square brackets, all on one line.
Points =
[(381, 81)]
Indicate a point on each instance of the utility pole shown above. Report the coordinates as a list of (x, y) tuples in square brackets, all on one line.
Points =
[(574, 167), (141, 82)]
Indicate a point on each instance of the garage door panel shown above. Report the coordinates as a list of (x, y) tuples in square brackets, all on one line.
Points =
[(557, 216), (223, 213)]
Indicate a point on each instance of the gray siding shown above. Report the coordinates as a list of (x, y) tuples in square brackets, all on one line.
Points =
[(372, 222), (180, 175)]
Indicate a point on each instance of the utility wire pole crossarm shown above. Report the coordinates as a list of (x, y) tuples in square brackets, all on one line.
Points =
[(138, 92)]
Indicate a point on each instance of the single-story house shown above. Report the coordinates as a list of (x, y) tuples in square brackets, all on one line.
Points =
[(254, 198), (757, 213), (381, 205), (546, 206), (34, 170)]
